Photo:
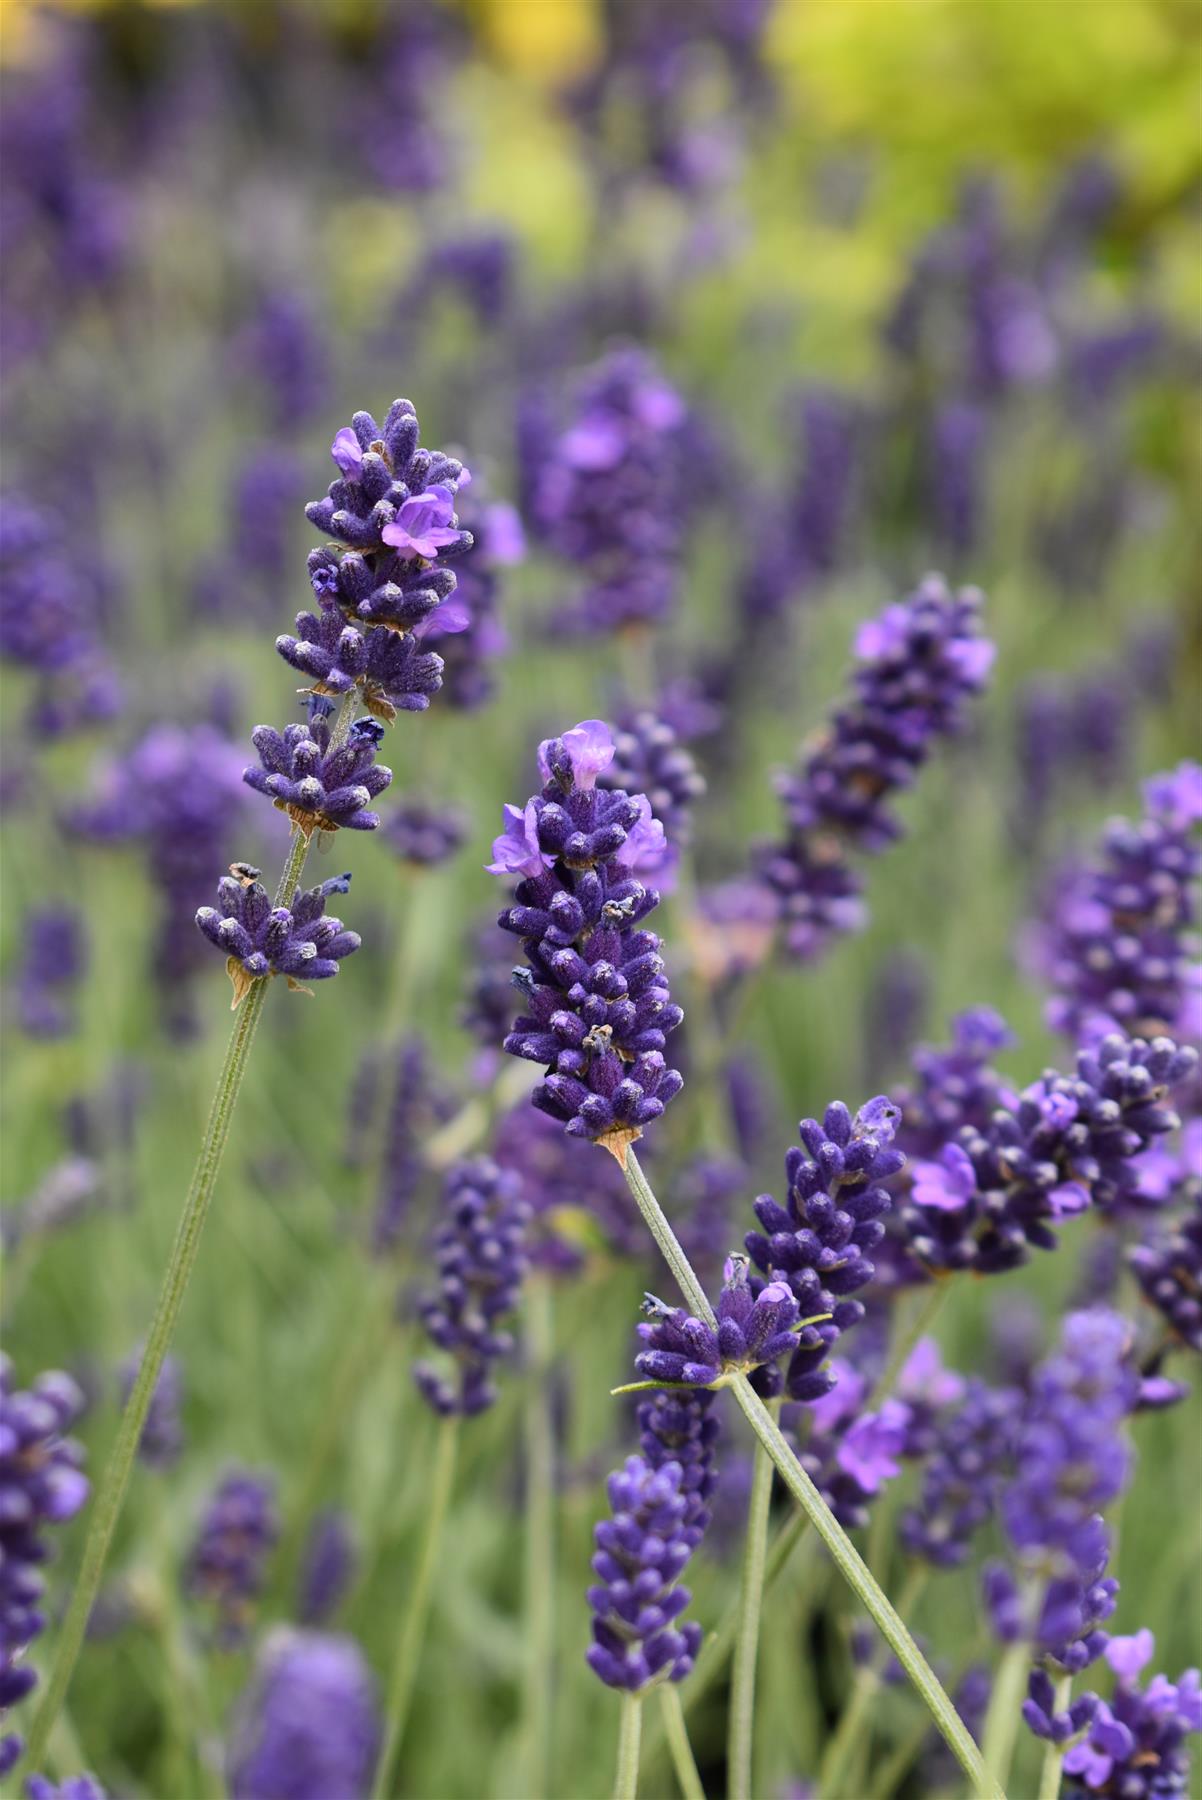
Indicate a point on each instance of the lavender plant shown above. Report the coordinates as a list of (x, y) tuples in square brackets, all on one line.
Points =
[(391, 512)]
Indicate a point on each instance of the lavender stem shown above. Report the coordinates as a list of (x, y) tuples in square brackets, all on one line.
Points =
[(683, 1761), (1002, 1719), (110, 1495), (626, 1781), (751, 1593), (844, 1553), (540, 1535), (413, 1631), (1053, 1756)]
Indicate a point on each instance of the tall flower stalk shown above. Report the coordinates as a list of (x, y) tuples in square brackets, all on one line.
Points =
[(843, 1552), (599, 1013), (392, 514)]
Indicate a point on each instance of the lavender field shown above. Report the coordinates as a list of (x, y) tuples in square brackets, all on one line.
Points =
[(600, 1125)]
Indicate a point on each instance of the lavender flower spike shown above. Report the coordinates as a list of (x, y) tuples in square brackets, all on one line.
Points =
[(262, 940), (919, 662), (41, 1484), (320, 787), (753, 1329), (599, 1008), (639, 1556), (817, 1244), (481, 1261), (308, 1725), (237, 1533)]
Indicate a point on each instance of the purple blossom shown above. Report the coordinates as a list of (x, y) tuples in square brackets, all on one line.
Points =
[(41, 1484), (599, 1007), (870, 1449), (425, 833), (648, 758), (752, 1329), (1118, 953), (680, 1427), (227, 1563), (328, 1567), (391, 670), (639, 1556), (320, 784), (424, 524), (480, 1247), (162, 1437), (54, 964), (72, 1787), (608, 495), (1069, 1141), (308, 1725), (261, 940), (963, 1475), (818, 1242), (920, 662)]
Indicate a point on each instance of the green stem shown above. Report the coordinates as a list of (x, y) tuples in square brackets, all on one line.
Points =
[(683, 1760), (626, 1781), (844, 1553), (1001, 1721), (1053, 1756), (868, 1679), (114, 1484), (717, 1647), (741, 1730), (416, 1613), (110, 1495), (665, 1237), (540, 1536)]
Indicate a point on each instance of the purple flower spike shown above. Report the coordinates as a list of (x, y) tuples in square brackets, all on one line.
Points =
[(610, 494), (920, 663), (1119, 952), (639, 1557), (308, 1725), (319, 785), (227, 1564), (1066, 1143), (1169, 1272), (818, 1243), (753, 1329), (55, 960), (261, 940), (390, 472), (599, 1010), (391, 670), (41, 1484), (481, 1253)]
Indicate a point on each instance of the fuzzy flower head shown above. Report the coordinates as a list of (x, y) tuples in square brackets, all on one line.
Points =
[(918, 666), (480, 1248), (41, 1484), (308, 1726), (260, 940), (1066, 1143), (817, 1244), (636, 1601), (751, 1329), (599, 1009), (320, 784)]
